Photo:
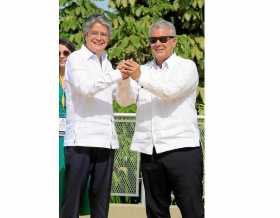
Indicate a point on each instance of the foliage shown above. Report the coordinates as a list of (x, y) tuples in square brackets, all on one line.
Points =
[(128, 109)]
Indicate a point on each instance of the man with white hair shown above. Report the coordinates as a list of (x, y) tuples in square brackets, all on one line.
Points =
[(166, 132)]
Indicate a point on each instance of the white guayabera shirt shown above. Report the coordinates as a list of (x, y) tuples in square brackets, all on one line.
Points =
[(166, 115), (89, 88)]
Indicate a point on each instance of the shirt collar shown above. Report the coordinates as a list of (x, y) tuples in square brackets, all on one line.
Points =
[(88, 54), (167, 63)]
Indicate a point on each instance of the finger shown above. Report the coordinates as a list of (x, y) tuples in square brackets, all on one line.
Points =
[(124, 71), (131, 61), (128, 64)]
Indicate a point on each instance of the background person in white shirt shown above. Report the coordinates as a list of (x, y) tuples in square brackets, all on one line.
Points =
[(166, 131), (90, 136)]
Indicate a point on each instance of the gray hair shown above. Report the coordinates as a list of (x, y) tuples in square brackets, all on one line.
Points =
[(97, 18), (161, 23)]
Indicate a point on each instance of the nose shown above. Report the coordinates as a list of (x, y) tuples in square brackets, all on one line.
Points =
[(158, 42), (98, 36)]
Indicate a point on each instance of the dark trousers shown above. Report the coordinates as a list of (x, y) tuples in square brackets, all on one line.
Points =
[(82, 163), (178, 171)]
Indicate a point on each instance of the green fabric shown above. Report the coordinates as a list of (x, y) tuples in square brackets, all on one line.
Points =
[(84, 208), (61, 154), (62, 110), (62, 114), (61, 170)]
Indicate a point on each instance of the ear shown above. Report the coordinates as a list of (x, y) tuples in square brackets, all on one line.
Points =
[(85, 36), (174, 42)]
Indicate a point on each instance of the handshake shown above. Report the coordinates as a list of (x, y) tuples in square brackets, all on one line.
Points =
[(129, 68)]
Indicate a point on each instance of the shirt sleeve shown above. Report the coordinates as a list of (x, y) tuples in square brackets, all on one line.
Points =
[(77, 75), (126, 92), (172, 83)]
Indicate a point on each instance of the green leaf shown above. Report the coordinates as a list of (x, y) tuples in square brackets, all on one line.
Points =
[(194, 3), (132, 2), (78, 11), (200, 41), (121, 22), (176, 5), (124, 3), (116, 52), (187, 16), (138, 12), (118, 3), (115, 23), (111, 4), (124, 43), (200, 3), (135, 41), (201, 93)]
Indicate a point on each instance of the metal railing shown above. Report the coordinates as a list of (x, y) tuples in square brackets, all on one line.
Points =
[(125, 178)]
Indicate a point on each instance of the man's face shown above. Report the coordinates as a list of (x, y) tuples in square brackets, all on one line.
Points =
[(97, 38), (162, 50)]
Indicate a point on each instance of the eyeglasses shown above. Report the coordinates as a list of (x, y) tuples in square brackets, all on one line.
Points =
[(95, 33), (162, 39), (65, 53)]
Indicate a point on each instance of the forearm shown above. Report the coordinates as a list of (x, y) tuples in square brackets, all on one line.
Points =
[(125, 95), (90, 86), (171, 86)]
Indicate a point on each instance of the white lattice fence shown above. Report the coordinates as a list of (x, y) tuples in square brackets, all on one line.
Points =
[(125, 181)]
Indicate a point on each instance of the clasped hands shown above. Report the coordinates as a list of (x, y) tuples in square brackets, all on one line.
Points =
[(129, 68)]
